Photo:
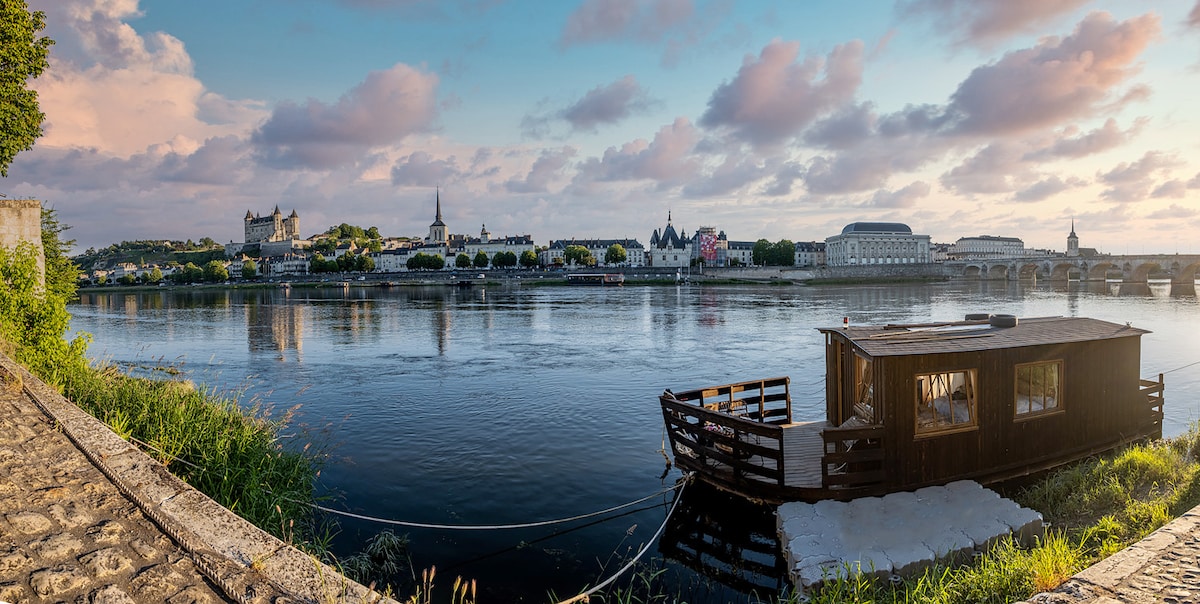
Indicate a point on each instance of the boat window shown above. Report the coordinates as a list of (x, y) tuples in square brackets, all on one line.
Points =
[(1037, 389), (946, 401), (864, 389)]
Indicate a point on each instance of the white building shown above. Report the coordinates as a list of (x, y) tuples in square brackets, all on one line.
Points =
[(635, 252), (669, 248), (876, 243), (987, 246), (517, 244), (287, 264)]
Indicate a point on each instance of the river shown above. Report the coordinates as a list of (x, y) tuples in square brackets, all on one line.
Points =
[(512, 404)]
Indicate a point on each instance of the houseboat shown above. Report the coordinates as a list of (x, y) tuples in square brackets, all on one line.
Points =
[(595, 279), (907, 406)]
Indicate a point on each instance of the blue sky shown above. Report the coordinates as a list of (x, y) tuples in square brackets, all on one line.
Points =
[(594, 118)]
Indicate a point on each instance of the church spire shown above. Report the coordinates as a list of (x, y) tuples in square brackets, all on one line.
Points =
[(438, 218), (1072, 227)]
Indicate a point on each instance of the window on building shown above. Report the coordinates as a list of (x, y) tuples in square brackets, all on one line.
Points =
[(1038, 387), (946, 401), (864, 389)]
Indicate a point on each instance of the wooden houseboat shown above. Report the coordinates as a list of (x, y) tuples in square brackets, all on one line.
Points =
[(908, 406)]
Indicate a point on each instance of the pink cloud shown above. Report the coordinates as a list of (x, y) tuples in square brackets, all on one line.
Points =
[(1132, 181), (1046, 188), (1056, 80), (991, 170), (666, 159), (1173, 212), (548, 168), (386, 107), (1193, 18), (1108, 136), (983, 22), (773, 97), (422, 169)]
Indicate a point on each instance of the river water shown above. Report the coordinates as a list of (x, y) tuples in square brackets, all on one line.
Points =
[(514, 404)]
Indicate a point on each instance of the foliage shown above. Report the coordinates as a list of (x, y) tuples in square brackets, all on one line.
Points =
[(528, 259), (615, 254), (215, 271), (23, 56), (155, 252), (127, 279), (324, 246), (780, 253), (462, 261), (249, 269), (577, 254), (423, 261), (33, 319), (481, 259), (189, 273), (504, 260), (385, 560), (62, 276)]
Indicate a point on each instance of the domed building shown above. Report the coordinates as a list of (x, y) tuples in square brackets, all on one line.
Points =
[(876, 243)]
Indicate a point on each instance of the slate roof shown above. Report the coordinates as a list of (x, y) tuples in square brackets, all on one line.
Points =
[(971, 336), (877, 227)]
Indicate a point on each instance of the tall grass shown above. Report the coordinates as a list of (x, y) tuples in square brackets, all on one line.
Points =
[(228, 453)]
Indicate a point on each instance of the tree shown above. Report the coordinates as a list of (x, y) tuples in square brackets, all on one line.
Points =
[(423, 261), (462, 261), (373, 233), (577, 254), (128, 279), (207, 242), (61, 273), (215, 271), (156, 275), (22, 57), (374, 246), (481, 259), (325, 246), (758, 254), (783, 253), (249, 269), (364, 263), (316, 264), (615, 254), (528, 259)]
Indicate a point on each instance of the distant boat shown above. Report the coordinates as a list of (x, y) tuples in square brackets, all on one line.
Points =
[(596, 279)]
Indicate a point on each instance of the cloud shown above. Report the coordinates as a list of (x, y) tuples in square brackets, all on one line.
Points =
[(1108, 136), (1047, 188), (1193, 19), (1131, 181), (548, 167), (990, 171), (732, 174), (386, 107), (640, 20), (848, 127), (607, 104), (773, 97), (984, 22), (906, 197), (421, 169), (1173, 212), (1172, 188), (666, 159), (1054, 81), (220, 161)]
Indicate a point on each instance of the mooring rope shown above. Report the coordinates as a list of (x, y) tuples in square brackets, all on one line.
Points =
[(1184, 367), (583, 597), (458, 527)]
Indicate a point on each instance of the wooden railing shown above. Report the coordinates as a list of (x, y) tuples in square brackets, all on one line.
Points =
[(853, 457), (732, 431), (1153, 391)]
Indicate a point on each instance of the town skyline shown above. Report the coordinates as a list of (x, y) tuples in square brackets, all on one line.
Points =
[(595, 119)]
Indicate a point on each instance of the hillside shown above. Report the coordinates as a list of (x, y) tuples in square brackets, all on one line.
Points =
[(150, 252)]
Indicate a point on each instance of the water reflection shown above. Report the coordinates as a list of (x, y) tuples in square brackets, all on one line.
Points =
[(275, 327), (727, 539)]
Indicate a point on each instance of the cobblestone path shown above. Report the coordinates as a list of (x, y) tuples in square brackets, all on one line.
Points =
[(68, 535)]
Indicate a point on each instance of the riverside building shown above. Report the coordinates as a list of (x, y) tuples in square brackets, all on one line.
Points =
[(876, 243)]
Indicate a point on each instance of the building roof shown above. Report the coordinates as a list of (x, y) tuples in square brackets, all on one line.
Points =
[(877, 227), (971, 336), (561, 244)]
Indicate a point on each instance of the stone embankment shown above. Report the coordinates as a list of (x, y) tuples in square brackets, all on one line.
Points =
[(86, 517)]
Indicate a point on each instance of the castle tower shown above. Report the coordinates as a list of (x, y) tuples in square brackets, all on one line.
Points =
[(292, 229), (437, 230), (1072, 242), (484, 235)]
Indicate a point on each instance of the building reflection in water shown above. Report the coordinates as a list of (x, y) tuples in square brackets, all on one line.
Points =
[(728, 539), (275, 326)]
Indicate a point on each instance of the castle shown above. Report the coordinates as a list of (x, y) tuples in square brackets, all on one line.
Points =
[(272, 228)]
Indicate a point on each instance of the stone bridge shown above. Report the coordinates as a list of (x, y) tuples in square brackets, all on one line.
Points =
[(1180, 268)]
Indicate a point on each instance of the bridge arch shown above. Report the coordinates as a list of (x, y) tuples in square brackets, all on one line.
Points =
[(1188, 272), (1143, 270), (998, 272), (1029, 270), (1100, 270), (971, 271), (1061, 271)]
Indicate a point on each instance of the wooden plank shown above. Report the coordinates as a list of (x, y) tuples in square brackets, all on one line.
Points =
[(853, 479)]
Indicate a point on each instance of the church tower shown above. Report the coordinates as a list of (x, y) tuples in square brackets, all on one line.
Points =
[(1072, 242), (437, 230)]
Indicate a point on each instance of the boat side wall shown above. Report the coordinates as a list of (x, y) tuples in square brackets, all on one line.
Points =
[(1101, 406)]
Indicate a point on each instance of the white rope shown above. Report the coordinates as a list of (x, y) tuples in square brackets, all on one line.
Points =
[(583, 597), (483, 527), (1184, 367), (457, 527)]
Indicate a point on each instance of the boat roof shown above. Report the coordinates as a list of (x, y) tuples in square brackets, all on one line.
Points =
[(971, 336)]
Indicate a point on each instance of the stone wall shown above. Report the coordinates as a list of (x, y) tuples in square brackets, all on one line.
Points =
[(21, 220)]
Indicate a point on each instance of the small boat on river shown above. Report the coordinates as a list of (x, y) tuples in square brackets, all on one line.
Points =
[(596, 279), (988, 399)]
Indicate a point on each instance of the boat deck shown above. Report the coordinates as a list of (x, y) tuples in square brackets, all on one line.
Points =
[(802, 451)]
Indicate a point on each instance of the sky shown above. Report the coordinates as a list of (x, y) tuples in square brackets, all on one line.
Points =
[(601, 118)]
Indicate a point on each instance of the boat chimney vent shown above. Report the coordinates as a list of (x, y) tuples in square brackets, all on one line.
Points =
[(1003, 321), (845, 322)]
